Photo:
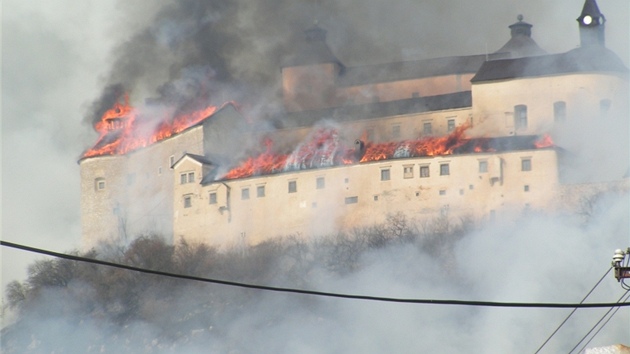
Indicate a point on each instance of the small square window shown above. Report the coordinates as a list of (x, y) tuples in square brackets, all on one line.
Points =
[(187, 201), (212, 197), (100, 184), (376, 198), (444, 169), (346, 180), (417, 194), (526, 188), (320, 183), (526, 165), (442, 191), (450, 125), (483, 166), (292, 186), (427, 129), (260, 191), (424, 171), (471, 187), (245, 193), (385, 174), (407, 171), (352, 200)]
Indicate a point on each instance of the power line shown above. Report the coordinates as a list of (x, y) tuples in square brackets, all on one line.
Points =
[(598, 322), (572, 312), (311, 292)]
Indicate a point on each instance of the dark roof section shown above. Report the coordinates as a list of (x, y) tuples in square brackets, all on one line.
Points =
[(417, 69), (201, 159), (574, 61), (521, 43), (590, 8), (312, 50), (379, 109)]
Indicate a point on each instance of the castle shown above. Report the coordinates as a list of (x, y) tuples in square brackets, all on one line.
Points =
[(475, 136)]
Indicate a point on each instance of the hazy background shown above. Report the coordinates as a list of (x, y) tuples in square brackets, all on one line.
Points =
[(59, 56)]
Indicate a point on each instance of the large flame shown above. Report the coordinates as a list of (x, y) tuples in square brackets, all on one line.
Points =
[(120, 130), (324, 149)]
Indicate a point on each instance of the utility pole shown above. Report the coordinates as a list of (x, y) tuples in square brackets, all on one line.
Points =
[(621, 272)]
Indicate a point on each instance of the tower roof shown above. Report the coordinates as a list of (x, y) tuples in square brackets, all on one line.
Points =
[(591, 9), (312, 50), (521, 43)]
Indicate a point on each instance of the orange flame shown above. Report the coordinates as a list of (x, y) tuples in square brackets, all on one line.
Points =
[(544, 141), (121, 132)]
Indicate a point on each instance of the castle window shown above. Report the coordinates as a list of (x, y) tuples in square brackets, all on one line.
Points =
[(320, 183), (408, 171), (427, 129), (450, 125), (292, 186), (385, 176), (526, 188), (352, 200), (444, 169), (183, 178), (604, 107), (186, 177), (526, 164), (376, 198), (424, 171), (559, 111), (212, 197), (483, 166), (396, 131), (99, 184), (187, 201), (520, 117), (260, 191), (191, 177), (442, 191), (245, 193)]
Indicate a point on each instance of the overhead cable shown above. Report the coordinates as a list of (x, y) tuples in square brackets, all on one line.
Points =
[(311, 292)]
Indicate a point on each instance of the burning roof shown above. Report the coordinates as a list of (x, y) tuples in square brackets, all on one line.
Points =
[(123, 129), (324, 148)]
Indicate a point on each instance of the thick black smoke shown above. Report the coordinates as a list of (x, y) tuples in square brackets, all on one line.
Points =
[(198, 50)]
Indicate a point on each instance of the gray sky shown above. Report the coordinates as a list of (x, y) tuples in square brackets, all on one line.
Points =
[(57, 56)]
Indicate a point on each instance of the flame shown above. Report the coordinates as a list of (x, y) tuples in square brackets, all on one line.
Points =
[(120, 130), (544, 141)]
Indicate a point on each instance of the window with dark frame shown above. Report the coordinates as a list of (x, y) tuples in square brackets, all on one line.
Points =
[(260, 191), (245, 193), (183, 178), (427, 129), (526, 164), (520, 117), (450, 125), (424, 171), (385, 175), (99, 184), (444, 169), (320, 183), (351, 200), (212, 197), (191, 177), (559, 111), (483, 166), (292, 186), (187, 201), (407, 171)]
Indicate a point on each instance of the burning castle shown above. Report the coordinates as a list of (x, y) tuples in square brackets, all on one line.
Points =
[(464, 136)]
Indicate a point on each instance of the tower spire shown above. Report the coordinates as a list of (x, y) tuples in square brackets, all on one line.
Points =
[(591, 24)]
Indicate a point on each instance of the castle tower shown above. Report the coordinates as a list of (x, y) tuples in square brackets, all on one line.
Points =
[(309, 75), (521, 43), (591, 24)]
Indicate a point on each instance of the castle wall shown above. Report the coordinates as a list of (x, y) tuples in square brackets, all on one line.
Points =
[(398, 90), (137, 193), (583, 94), (316, 202)]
